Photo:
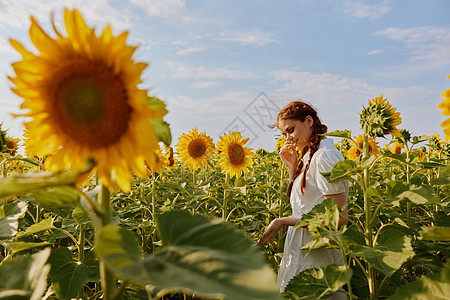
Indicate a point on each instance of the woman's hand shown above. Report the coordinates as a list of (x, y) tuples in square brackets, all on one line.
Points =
[(271, 231), (275, 226), (289, 156)]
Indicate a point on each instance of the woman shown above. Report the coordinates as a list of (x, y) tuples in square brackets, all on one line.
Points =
[(299, 123)]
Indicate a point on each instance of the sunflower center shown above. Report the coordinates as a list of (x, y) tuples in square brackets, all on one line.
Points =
[(90, 103), (196, 148), (236, 154)]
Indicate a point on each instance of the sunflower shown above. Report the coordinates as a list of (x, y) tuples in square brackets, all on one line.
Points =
[(234, 157), (158, 163), (380, 118), (11, 145), (193, 149), (445, 105), (354, 152), (280, 143), (81, 94), (396, 148)]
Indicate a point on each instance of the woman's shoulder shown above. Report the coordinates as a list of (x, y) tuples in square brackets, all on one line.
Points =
[(327, 153), (327, 148)]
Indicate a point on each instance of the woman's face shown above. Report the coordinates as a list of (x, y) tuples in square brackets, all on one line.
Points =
[(297, 132)]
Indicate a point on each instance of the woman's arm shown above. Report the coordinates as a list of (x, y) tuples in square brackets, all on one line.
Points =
[(340, 200), (275, 226)]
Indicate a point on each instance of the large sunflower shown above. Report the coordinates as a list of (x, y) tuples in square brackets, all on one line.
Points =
[(354, 152), (234, 157), (380, 118), (193, 149), (81, 94), (445, 105)]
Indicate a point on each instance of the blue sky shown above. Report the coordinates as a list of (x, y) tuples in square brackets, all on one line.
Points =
[(223, 65)]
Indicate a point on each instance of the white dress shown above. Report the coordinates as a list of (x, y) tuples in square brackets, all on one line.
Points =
[(294, 260)]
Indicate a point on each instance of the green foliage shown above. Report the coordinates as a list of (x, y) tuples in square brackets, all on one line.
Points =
[(197, 256), (432, 287), (9, 218), (25, 277), (393, 248), (69, 275), (154, 251), (314, 283)]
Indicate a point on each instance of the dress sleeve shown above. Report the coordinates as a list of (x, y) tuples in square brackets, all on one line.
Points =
[(325, 162)]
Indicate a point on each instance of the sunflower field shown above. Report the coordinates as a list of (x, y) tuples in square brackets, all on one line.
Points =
[(105, 204)]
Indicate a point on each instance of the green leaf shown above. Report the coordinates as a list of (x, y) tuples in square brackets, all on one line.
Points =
[(22, 246), (26, 183), (400, 157), (162, 130), (430, 165), (337, 276), (160, 127), (420, 195), (317, 213), (156, 104), (25, 276), (344, 169), (444, 179), (431, 287), (313, 283), (352, 236), (10, 214), (420, 139), (320, 243), (331, 218), (46, 224), (200, 256), (392, 250), (435, 233), (68, 276), (340, 133), (80, 216), (60, 196)]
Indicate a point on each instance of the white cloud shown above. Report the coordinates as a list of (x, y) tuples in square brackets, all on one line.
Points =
[(191, 50), (183, 71), (247, 38), (160, 8), (365, 8), (17, 13), (327, 88), (338, 99), (203, 84), (423, 43), (376, 51), (212, 114)]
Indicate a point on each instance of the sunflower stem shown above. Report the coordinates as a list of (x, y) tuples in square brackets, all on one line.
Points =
[(408, 181), (153, 207), (226, 192), (368, 214), (280, 200), (106, 277), (81, 242)]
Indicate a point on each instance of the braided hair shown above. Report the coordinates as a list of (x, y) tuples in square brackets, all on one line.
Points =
[(299, 110)]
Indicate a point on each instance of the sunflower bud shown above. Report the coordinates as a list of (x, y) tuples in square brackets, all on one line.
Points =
[(435, 142), (380, 118)]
